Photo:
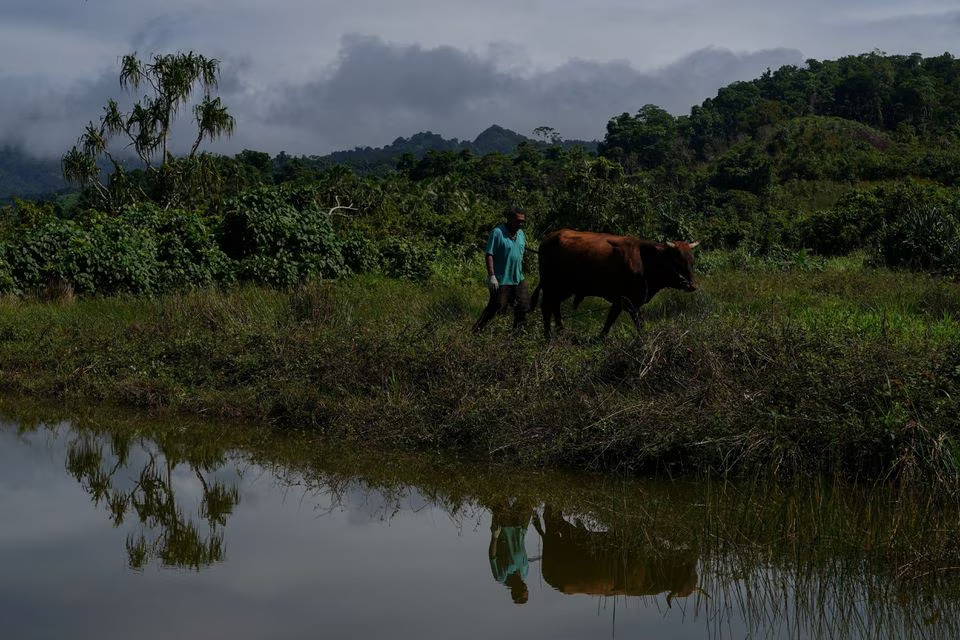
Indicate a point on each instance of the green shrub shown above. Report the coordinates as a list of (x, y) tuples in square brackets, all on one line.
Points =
[(404, 258), (186, 247), (926, 239), (360, 253), (280, 237)]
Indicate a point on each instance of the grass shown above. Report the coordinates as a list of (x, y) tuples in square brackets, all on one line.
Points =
[(794, 367)]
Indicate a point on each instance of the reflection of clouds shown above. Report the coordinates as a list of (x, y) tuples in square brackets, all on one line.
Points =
[(38, 501)]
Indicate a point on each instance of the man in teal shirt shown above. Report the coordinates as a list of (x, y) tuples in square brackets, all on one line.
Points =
[(505, 247)]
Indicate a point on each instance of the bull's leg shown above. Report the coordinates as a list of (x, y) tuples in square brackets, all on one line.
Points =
[(546, 309), (637, 318), (635, 314), (556, 316), (615, 308)]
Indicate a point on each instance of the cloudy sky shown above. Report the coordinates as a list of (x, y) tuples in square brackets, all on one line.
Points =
[(314, 76)]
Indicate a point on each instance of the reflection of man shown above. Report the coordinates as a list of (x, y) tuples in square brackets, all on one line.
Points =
[(508, 552)]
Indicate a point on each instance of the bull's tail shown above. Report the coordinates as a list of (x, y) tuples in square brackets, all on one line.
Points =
[(535, 298)]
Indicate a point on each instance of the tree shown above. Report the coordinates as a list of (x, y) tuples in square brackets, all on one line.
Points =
[(548, 135), (644, 141), (170, 81)]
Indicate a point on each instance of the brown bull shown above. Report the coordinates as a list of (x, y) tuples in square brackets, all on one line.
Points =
[(625, 270)]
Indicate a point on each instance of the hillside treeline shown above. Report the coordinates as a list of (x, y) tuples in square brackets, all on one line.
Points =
[(856, 154)]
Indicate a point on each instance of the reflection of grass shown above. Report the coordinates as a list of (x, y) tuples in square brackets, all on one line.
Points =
[(791, 369), (813, 557), (831, 559)]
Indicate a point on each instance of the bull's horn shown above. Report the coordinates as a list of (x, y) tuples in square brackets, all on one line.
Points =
[(672, 245), (693, 244)]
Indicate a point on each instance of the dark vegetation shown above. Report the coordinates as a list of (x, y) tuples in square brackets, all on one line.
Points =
[(795, 355)]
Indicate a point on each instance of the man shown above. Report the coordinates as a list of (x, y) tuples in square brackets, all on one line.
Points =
[(504, 258)]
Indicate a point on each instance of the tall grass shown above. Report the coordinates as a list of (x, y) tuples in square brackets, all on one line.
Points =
[(837, 368)]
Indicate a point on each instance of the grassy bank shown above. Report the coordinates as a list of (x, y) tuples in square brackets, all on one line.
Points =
[(796, 366)]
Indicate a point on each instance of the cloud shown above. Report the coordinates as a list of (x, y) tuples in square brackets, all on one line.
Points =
[(377, 91)]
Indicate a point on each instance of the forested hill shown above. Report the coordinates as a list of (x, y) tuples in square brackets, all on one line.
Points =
[(860, 117), (27, 177), (373, 161)]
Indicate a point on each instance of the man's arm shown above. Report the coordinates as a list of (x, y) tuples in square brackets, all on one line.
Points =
[(489, 264)]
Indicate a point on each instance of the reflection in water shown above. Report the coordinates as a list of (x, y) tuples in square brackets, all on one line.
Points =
[(577, 559), (166, 532), (819, 559), (509, 521)]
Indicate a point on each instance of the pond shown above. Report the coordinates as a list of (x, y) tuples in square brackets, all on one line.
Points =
[(123, 528)]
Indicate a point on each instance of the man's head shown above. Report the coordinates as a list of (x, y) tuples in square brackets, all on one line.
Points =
[(516, 218), (518, 588)]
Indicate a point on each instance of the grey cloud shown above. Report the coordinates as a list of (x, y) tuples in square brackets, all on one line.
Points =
[(376, 91)]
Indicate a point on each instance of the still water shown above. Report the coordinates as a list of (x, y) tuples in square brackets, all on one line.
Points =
[(118, 529)]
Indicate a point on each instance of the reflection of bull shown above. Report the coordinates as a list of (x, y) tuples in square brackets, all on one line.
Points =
[(577, 560)]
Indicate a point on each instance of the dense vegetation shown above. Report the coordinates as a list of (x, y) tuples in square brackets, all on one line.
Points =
[(787, 353), (855, 154)]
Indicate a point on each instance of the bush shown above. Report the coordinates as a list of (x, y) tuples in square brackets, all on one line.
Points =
[(360, 253), (404, 258), (280, 243), (186, 247), (927, 239)]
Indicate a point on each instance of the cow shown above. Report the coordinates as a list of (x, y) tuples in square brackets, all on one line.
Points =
[(625, 270)]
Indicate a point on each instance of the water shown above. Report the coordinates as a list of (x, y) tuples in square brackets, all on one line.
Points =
[(120, 529)]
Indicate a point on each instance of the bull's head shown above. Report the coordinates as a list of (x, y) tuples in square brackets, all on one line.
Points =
[(679, 265)]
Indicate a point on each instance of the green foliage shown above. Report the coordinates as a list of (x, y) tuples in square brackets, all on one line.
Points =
[(186, 247), (926, 238), (744, 168), (645, 141), (403, 258), (142, 250), (360, 253), (107, 255), (277, 242)]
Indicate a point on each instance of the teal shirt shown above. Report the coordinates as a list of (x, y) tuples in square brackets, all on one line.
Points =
[(511, 555), (507, 254)]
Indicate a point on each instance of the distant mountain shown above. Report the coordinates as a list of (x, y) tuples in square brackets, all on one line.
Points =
[(24, 176), (493, 139)]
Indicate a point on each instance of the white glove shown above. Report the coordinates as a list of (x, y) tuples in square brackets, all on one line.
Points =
[(492, 283)]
